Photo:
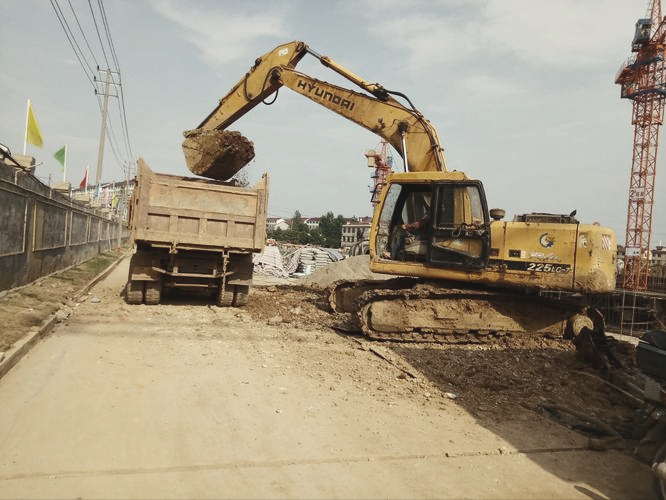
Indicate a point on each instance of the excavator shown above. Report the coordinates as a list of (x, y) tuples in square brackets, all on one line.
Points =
[(469, 273)]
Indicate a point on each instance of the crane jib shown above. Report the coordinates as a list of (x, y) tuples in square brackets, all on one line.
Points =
[(325, 95)]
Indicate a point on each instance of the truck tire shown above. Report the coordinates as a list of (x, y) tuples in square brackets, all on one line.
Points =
[(658, 485), (134, 292), (241, 293), (153, 293), (225, 296)]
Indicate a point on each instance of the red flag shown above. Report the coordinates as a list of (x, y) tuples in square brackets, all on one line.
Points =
[(84, 182)]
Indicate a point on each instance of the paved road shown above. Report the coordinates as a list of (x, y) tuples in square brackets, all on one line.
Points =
[(190, 401)]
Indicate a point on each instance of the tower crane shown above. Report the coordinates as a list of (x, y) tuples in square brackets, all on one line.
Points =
[(642, 80)]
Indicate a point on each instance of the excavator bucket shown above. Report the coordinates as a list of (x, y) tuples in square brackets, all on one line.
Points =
[(216, 154)]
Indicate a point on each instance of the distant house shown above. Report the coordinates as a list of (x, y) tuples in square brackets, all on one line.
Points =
[(355, 230), (273, 223), (312, 222), (659, 256)]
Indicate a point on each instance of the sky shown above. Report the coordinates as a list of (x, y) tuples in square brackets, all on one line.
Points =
[(521, 92)]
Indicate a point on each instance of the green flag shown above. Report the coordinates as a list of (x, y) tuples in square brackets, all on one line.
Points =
[(60, 155)]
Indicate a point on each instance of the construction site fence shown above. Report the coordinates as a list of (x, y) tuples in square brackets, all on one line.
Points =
[(43, 231)]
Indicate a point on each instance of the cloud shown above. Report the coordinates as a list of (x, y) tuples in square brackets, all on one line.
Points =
[(563, 34), (224, 35)]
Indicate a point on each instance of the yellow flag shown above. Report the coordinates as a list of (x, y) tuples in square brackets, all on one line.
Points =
[(33, 134)]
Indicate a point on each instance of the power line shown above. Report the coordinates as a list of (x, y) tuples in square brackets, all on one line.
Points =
[(106, 46), (83, 34), (126, 128), (112, 49), (70, 38), (108, 34), (99, 37)]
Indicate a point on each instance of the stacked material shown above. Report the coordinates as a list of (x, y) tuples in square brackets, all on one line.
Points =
[(301, 262), (270, 263), (308, 259), (216, 154)]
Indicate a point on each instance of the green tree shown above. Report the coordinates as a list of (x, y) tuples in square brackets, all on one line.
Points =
[(298, 233), (330, 228), (316, 237), (328, 234), (277, 234), (300, 229)]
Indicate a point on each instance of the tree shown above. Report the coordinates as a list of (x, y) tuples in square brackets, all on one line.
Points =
[(328, 234), (297, 223), (330, 228), (300, 229), (316, 237)]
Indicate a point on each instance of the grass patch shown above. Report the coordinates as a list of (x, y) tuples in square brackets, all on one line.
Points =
[(63, 277), (89, 269), (32, 304)]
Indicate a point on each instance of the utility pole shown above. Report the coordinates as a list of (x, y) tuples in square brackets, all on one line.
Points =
[(107, 81)]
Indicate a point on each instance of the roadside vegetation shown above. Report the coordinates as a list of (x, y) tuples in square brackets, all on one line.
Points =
[(328, 234), (27, 307)]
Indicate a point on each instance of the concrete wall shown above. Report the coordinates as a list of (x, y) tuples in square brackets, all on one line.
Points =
[(43, 231)]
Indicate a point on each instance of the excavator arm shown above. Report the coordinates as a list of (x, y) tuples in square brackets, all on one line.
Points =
[(405, 128)]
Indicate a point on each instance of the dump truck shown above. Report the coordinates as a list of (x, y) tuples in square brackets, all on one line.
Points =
[(194, 234)]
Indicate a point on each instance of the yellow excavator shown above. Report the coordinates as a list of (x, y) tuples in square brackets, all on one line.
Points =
[(469, 272)]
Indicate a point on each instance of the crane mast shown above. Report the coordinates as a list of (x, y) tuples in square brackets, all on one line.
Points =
[(382, 162), (642, 80)]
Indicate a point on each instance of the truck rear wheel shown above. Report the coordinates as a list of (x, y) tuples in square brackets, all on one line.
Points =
[(153, 292), (134, 292), (225, 296), (241, 293)]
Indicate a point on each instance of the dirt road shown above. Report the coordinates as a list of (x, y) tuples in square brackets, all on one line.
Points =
[(186, 400)]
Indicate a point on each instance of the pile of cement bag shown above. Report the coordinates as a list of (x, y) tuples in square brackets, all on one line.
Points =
[(270, 263), (301, 262), (306, 260)]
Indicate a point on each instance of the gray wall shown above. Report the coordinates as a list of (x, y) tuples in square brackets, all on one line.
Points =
[(43, 231)]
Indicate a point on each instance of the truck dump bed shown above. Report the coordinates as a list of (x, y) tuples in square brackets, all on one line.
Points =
[(187, 213)]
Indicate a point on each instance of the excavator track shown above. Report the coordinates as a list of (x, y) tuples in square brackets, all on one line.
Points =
[(423, 312)]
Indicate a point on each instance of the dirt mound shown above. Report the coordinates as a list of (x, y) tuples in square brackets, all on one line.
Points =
[(216, 154), (352, 268)]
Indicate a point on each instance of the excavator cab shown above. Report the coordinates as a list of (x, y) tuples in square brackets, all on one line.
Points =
[(454, 229), (460, 230)]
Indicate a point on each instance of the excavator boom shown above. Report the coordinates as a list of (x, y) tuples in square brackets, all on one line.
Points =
[(405, 128), (254, 87)]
